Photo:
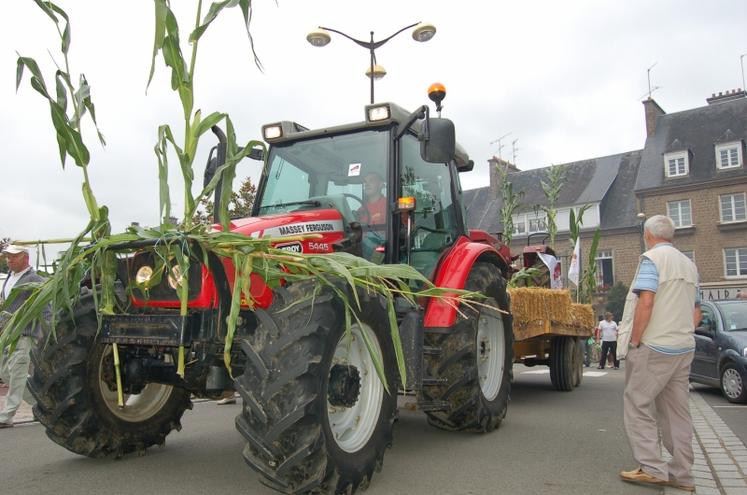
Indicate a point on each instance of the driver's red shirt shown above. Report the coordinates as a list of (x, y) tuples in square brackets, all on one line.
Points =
[(373, 213)]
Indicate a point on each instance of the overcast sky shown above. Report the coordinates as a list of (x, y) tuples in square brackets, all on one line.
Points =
[(564, 78)]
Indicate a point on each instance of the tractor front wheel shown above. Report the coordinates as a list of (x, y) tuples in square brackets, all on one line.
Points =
[(73, 383), (316, 417)]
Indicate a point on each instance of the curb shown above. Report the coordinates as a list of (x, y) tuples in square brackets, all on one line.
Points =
[(720, 466)]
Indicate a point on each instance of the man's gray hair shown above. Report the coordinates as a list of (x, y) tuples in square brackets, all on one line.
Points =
[(660, 227)]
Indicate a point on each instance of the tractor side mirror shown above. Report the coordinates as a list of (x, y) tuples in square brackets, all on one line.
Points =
[(438, 144)]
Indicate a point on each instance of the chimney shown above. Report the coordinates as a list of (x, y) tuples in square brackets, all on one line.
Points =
[(733, 94), (652, 111), (497, 165)]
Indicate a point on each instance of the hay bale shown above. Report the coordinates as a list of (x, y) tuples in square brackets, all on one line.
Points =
[(529, 304), (582, 315)]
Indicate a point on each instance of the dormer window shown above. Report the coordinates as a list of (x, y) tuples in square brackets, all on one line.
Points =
[(729, 155), (676, 164)]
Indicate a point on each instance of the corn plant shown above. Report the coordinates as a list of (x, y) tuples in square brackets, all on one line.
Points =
[(511, 202), (188, 242), (551, 189)]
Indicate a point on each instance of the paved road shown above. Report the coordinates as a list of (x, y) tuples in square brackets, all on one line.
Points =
[(734, 415), (550, 443)]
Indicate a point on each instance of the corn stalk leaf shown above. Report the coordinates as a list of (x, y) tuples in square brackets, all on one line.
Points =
[(161, 9)]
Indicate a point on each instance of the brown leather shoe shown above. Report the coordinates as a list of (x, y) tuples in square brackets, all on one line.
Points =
[(685, 488), (640, 476)]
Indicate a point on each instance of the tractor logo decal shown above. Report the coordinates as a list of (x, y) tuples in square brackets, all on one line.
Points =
[(293, 247), (305, 228)]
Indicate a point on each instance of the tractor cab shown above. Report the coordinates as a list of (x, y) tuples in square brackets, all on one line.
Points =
[(392, 179)]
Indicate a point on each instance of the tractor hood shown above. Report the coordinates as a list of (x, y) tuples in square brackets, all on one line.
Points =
[(326, 223)]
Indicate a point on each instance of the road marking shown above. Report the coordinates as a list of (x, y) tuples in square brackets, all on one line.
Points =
[(546, 371), (729, 407)]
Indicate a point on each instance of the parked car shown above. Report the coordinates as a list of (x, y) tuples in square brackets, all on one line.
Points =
[(721, 348)]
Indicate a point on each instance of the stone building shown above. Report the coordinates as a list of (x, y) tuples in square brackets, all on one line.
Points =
[(691, 169)]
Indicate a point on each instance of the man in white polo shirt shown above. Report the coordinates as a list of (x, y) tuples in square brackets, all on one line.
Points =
[(14, 367), (658, 361)]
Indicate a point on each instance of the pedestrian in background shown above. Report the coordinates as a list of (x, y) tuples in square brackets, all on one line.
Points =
[(660, 352), (608, 334), (14, 366)]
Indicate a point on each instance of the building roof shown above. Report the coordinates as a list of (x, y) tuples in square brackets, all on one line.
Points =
[(697, 131), (607, 180)]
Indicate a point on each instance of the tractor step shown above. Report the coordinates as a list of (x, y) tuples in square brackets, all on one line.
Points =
[(431, 381), (434, 405), (431, 350)]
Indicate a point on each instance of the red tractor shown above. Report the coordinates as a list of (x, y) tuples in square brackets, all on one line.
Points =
[(316, 417)]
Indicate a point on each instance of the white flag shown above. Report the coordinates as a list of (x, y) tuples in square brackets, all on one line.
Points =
[(553, 265), (573, 269)]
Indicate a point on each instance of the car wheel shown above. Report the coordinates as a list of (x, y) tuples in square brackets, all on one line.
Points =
[(733, 384)]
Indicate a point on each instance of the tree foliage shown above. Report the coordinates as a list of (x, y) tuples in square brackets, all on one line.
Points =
[(240, 205), (616, 300)]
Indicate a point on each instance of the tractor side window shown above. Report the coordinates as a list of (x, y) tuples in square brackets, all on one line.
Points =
[(434, 219)]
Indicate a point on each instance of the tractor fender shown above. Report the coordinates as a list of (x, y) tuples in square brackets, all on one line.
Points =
[(452, 273)]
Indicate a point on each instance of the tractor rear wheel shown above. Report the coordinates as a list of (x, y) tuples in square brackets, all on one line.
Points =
[(72, 383), (316, 417), (469, 365), (565, 364)]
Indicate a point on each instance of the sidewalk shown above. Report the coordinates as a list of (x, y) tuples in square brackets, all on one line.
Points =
[(23, 415), (720, 456)]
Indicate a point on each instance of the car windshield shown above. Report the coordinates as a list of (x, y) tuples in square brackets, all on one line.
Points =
[(735, 315), (327, 172)]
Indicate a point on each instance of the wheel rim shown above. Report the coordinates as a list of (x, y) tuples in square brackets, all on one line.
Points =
[(491, 354), (732, 384), (138, 407), (353, 426)]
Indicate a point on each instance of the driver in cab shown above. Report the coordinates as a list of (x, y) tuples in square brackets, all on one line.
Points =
[(373, 211)]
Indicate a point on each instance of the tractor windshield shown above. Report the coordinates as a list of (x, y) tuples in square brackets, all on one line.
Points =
[(346, 172)]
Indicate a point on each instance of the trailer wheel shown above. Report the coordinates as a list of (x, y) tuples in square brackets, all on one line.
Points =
[(315, 415), (76, 404), (469, 365), (564, 363)]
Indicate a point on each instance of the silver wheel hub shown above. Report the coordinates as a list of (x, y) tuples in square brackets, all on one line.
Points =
[(353, 420), (491, 353), (137, 407), (732, 383)]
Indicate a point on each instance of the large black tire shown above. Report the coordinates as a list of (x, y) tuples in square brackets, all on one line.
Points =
[(286, 388), (452, 361), (733, 384), (75, 405), (564, 363)]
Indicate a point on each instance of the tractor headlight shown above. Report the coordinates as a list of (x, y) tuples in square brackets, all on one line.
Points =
[(272, 131), (175, 277), (376, 113), (144, 274)]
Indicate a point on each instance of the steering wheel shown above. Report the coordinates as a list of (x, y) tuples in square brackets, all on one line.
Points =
[(354, 197), (428, 229)]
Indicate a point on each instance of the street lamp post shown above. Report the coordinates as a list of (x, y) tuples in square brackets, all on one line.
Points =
[(641, 220), (422, 33)]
